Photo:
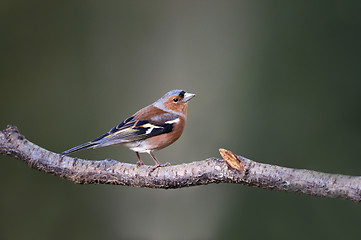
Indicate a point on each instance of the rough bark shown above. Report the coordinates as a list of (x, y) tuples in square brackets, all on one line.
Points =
[(208, 171)]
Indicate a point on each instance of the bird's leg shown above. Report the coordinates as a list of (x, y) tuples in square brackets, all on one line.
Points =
[(157, 164), (140, 162)]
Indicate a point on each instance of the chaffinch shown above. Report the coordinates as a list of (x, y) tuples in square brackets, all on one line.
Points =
[(151, 128)]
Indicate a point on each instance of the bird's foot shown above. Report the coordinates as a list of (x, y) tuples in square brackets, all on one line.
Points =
[(158, 165), (140, 163)]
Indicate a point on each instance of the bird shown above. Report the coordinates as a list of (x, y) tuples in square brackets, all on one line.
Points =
[(152, 128)]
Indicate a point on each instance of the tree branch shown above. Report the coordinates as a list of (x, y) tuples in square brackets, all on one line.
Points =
[(208, 171)]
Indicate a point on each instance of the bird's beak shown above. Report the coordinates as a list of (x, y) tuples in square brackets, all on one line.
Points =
[(188, 96)]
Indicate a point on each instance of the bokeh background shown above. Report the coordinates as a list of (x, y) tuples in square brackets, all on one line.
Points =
[(276, 81)]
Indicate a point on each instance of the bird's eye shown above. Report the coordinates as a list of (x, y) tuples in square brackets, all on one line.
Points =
[(175, 99)]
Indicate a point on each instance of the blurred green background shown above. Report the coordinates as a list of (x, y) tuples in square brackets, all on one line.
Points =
[(276, 81)]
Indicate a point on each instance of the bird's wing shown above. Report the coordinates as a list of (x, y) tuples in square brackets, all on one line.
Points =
[(148, 122)]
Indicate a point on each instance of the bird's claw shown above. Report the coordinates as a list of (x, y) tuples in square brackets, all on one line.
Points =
[(158, 166), (140, 164)]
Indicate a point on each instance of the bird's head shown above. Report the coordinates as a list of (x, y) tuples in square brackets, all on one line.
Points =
[(175, 100)]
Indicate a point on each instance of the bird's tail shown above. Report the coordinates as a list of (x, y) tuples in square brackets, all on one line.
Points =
[(80, 147), (92, 144)]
